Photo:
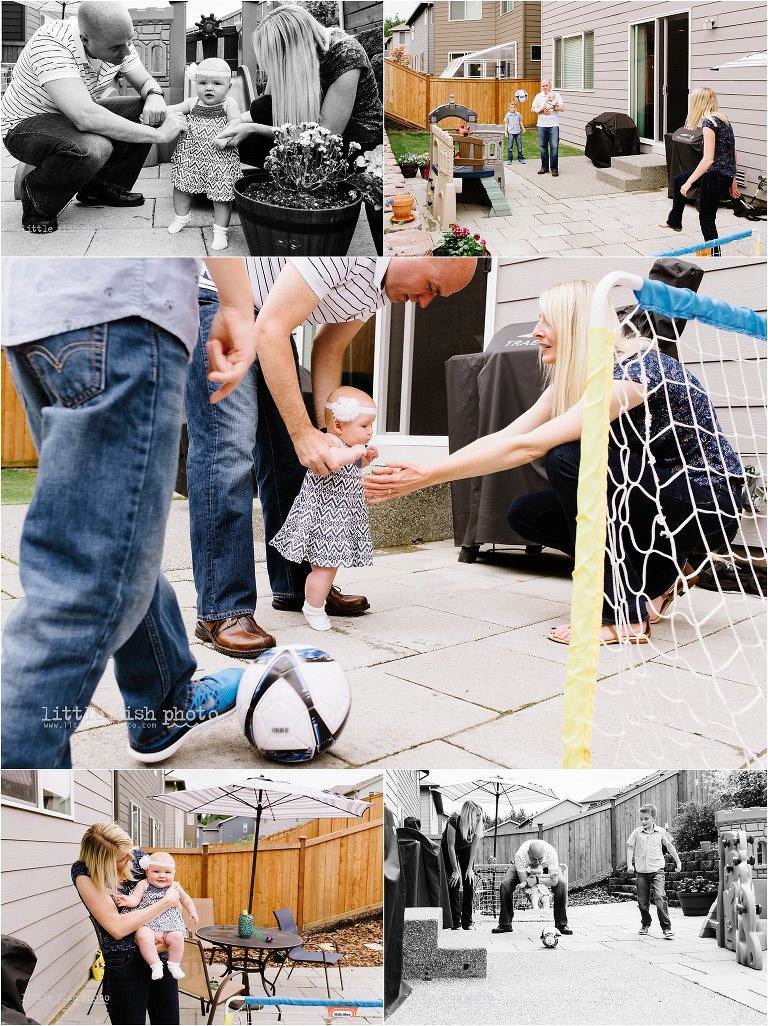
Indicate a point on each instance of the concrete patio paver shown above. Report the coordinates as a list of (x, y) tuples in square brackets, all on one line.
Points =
[(452, 666)]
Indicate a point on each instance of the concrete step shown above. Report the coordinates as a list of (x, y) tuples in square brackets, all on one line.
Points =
[(429, 952), (642, 173), (640, 162)]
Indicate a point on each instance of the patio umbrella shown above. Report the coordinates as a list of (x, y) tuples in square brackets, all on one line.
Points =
[(491, 790), (758, 59), (55, 8), (265, 798)]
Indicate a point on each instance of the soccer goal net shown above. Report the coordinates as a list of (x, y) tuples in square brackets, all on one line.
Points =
[(741, 244), (671, 535)]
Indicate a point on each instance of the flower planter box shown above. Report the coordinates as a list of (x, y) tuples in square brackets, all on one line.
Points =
[(272, 230), (695, 903)]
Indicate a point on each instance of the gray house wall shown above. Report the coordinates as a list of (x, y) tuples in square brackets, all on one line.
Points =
[(738, 398), (421, 42), (740, 28), (401, 793), (40, 905), (136, 787), (522, 24)]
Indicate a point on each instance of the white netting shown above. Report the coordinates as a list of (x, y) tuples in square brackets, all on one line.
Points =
[(694, 694), (746, 243)]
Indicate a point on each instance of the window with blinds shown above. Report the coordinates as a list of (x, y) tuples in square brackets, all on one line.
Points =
[(465, 10), (575, 61)]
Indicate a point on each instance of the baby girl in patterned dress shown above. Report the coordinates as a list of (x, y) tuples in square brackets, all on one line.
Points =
[(328, 523), (198, 164), (168, 926)]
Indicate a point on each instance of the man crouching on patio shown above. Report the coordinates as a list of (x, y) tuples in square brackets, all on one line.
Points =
[(53, 116), (534, 859)]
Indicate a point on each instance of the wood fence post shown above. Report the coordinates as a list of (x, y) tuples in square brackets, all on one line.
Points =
[(540, 831), (614, 836), (204, 873), (300, 896)]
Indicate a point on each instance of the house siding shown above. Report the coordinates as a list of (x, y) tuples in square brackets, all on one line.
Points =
[(401, 793), (40, 905), (741, 284), (421, 45), (360, 15), (136, 787), (737, 23)]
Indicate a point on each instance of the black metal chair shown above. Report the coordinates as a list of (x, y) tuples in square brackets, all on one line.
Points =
[(285, 921)]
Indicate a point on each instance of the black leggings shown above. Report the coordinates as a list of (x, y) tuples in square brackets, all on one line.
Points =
[(650, 564)]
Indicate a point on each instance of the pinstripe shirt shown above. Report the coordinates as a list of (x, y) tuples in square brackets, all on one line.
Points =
[(53, 53), (647, 848), (347, 288)]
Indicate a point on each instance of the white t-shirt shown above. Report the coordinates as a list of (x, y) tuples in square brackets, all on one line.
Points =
[(546, 120), (53, 53)]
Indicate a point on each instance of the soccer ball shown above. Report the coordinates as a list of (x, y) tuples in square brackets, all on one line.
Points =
[(521, 95), (550, 936), (292, 703)]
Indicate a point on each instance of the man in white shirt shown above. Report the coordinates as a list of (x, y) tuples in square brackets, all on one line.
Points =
[(548, 105), (536, 862), (264, 428), (55, 118)]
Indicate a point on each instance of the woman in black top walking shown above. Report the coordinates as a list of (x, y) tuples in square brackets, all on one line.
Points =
[(715, 172)]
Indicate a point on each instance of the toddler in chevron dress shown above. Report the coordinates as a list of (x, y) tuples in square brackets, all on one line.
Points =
[(168, 926), (328, 523), (198, 165)]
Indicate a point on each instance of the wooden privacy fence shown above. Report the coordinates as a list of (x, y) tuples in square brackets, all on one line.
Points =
[(594, 843), (321, 879), (409, 96), (18, 447)]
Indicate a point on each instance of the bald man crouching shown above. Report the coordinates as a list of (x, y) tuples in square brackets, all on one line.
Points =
[(536, 862), (54, 117)]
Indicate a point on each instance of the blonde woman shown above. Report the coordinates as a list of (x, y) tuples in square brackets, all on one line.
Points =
[(692, 466), (109, 866), (315, 74), (461, 841), (715, 172)]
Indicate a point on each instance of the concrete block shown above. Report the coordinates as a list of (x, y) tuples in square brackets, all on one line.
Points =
[(429, 952)]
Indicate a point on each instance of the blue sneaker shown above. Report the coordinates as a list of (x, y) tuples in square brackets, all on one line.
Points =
[(209, 699), (520, 160)]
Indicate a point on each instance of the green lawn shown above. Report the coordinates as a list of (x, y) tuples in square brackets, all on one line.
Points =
[(18, 483), (403, 141)]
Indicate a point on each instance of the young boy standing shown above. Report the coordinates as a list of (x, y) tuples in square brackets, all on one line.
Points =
[(513, 122), (646, 855)]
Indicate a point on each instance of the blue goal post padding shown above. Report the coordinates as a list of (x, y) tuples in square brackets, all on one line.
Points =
[(697, 247), (656, 297), (252, 1002)]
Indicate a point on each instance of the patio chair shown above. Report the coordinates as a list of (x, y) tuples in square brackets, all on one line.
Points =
[(206, 917), (285, 921), (201, 980)]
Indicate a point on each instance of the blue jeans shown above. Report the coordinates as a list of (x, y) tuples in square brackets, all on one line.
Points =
[(518, 140), (651, 562), (104, 406), (650, 888), (65, 159), (227, 442), (130, 993), (549, 140)]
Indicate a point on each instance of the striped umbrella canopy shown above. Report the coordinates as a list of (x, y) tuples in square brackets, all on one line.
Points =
[(491, 790), (263, 797)]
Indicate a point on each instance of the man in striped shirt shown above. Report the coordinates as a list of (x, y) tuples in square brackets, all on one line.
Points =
[(264, 427), (535, 862), (54, 116)]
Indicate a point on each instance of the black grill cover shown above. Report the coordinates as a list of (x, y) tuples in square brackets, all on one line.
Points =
[(18, 964), (611, 135), (684, 149), (396, 990)]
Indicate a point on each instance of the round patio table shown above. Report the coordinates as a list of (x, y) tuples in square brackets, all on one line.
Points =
[(257, 951)]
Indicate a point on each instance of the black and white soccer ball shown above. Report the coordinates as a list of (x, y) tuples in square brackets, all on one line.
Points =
[(521, 95), (292, 703), (550, 936)]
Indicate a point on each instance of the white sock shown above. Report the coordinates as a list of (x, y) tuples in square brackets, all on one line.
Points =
[(176, 971), (157, 970), (220, 237), (317, 618), (179, 222)]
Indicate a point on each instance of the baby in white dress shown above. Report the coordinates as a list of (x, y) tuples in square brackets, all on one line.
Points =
[(328, 523)]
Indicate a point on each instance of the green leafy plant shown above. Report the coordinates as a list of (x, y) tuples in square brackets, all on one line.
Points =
[(696, 823), (696, 885), (460, 242)]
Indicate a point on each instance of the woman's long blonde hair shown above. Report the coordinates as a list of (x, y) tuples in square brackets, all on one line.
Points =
[(566, 308), (102, 845), (287, 45), (703, 104), (470, 820)]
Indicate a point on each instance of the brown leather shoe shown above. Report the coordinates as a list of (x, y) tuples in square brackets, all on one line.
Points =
[(238, 636), (337, 604)]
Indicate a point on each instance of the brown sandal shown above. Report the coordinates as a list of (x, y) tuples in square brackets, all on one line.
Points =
[(617, 639), (684, 582)]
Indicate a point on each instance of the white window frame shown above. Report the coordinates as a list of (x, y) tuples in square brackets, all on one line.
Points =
[(465, 18), (577, 89), (508, 4), (400, 444), (154, 832), (37, 806), (536, 60), (135, 810)]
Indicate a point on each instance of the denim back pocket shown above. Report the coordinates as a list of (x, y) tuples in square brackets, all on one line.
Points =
[(71, 367)]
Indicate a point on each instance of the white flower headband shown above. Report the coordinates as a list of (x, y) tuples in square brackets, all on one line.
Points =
[(347, 408), (147, 860)]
